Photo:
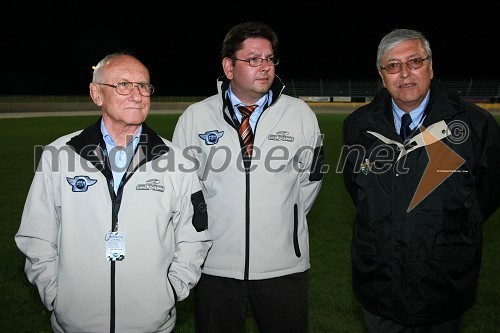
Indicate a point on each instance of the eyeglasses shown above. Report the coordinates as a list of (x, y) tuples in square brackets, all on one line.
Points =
[(395, 67), (256, 62), (125, 88)]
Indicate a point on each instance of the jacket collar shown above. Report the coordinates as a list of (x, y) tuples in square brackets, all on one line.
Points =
[(223, 84), (90, 142), (379, 116), (430, 135)]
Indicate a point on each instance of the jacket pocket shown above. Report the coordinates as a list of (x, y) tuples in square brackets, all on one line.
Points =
[(173, 289), (363, 242), (200, 216), (455, 253), (295, 231)]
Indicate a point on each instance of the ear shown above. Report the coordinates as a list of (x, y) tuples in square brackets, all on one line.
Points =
[(431, 74), (95, 93), (382, 77), (227, 66)]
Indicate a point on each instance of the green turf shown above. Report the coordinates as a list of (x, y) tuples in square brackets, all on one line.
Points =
[(332, 307)]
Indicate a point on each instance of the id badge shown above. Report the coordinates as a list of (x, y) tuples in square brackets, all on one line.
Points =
[(115, 246)]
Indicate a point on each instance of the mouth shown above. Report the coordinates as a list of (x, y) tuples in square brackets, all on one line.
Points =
[(406, 85)]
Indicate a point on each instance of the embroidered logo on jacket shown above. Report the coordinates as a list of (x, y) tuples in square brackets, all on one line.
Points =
[(281, 136), (211, 137), (366, 167), (80, 183), (151, 184)]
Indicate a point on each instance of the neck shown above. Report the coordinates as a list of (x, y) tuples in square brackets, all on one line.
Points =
[(122, 134)]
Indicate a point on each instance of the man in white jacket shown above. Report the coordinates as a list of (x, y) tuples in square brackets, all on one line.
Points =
[(259, 185), (114, 234)]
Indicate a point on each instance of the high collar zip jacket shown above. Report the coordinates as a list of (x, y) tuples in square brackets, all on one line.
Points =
[(72, 207), (256, 209), (420, 207)]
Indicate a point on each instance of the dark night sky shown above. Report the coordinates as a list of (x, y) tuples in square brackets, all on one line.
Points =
[(49, 49)]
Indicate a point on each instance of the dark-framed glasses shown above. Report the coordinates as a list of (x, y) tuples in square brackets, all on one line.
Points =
[(125, 88), (256, 62), (395, 67)]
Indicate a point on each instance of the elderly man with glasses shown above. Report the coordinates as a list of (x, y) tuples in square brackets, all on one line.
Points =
[(113, 238)]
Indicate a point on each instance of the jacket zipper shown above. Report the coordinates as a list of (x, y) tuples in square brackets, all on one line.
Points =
[(247, 218), (116, 200)]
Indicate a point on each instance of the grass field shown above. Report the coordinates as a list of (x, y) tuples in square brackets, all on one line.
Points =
[(331, 303)]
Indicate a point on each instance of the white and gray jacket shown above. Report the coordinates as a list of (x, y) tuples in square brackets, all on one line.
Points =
[(256, 210), (70, 209)]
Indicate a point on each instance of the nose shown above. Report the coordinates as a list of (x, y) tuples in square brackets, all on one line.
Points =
[(135, 85), (405, 71), (135, 94), (265, 65)]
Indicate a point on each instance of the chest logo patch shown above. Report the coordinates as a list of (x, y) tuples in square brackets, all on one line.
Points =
[(211, 137), (80, 183), (366, 167), (151, 185), (281, 136)]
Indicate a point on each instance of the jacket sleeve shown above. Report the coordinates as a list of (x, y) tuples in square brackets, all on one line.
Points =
[(38, 232), (191, 236), (345, 164), (312, 179), (488, 176), (179, 135)]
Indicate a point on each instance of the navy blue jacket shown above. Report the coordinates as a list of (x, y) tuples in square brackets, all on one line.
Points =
[(420, 208)]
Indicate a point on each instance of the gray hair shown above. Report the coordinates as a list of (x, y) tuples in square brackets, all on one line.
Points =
[(98, 73), (397, 36)]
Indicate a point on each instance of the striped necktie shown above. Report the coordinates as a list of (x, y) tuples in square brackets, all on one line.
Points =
[(245, 130), (405, 130)]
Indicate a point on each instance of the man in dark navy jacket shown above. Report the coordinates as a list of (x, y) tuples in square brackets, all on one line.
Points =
[(422, 167)]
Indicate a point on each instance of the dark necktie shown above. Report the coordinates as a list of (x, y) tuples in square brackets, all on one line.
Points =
[(405, 131), (245, 131)]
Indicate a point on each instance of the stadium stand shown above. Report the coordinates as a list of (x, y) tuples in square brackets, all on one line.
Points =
[(484, 91)]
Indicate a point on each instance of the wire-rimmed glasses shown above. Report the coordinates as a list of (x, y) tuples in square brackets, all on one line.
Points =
[(395, 67), (256, 62), (125, 88)]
